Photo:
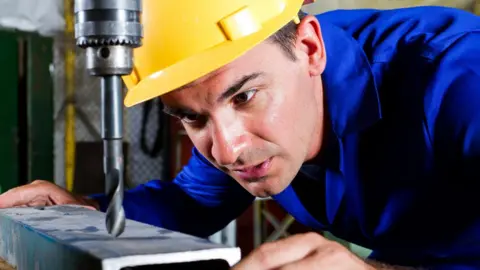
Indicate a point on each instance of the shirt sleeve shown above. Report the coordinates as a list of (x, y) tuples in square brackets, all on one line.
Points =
[(456, 133), (200, 201), (452, 123), (453, 189)]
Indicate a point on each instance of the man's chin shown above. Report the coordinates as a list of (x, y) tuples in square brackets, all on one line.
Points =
[(263, 195), (259, 192), (264, 190)]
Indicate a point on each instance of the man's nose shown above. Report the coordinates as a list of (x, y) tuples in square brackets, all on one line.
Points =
[(229, 141)]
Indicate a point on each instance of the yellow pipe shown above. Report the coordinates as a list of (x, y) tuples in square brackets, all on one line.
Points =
[(70, 93)]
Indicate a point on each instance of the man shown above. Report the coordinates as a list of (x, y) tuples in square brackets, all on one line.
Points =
[(364, 123)]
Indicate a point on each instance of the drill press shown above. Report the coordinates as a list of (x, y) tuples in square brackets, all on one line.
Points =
[(109, 30)]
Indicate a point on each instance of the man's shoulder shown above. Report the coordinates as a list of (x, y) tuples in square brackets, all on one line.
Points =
[(383, 33), (423, 18)]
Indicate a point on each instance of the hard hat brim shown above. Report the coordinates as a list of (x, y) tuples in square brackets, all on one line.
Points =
[(201, 64)]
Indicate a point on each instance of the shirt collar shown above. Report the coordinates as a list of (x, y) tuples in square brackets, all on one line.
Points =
[(349, 86)]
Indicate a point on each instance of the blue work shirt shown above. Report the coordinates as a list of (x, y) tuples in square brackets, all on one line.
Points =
[(399, 171)]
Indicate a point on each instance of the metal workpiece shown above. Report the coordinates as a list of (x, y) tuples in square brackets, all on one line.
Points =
[(69, 237)]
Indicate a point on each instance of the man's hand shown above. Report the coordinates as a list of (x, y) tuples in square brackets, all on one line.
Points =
[(303, 251), (42, 193)]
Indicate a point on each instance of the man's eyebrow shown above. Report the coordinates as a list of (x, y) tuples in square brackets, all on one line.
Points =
[(177, 112), (237, 85), (169, 110)]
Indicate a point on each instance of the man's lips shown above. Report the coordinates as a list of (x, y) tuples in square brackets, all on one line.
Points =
[(254, 172)]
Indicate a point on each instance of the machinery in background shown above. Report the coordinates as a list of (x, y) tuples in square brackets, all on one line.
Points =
[(161, 145), (26, 132)]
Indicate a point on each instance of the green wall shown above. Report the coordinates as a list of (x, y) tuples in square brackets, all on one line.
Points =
[(26, 127)]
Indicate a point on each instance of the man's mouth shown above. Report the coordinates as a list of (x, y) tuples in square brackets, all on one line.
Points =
[(257, 172)]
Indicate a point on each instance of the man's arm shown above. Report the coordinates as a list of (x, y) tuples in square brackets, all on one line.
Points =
[(452, 120), (200, 201), (457, 127), (308, 251)]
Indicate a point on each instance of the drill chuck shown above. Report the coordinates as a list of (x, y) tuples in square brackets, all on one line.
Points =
[(109, 30), (108, 22)]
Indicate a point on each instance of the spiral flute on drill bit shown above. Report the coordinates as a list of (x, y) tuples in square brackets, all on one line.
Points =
[(109, 30)]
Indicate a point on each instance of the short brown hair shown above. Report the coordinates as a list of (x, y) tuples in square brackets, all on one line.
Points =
[(286, 37)]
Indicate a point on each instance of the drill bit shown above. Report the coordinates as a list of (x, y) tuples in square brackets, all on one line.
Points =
[(112, 134), (115, 220)]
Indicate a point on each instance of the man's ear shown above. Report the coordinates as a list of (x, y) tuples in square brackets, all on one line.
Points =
[(310, 44)]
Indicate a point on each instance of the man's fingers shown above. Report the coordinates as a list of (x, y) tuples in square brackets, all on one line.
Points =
[(285, 251), (41, 193), (38, 201), (27, 194), (312, 261), (327, 258), (305, 251), (17, 196)]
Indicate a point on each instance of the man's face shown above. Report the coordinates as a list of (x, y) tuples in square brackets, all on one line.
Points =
[(261, 116)]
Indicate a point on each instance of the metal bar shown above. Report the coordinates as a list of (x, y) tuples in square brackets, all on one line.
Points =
[(286, 222), (272, 219), (72, 237), (257, 223), (275, 223), (279, 228)]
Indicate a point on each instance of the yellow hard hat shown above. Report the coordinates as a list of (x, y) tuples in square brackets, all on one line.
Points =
[(187, 39)]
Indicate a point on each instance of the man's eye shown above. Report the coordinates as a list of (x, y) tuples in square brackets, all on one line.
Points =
[(244, 97), (190, 118)]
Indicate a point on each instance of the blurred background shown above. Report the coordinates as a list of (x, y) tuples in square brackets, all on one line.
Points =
[(50, 127)]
